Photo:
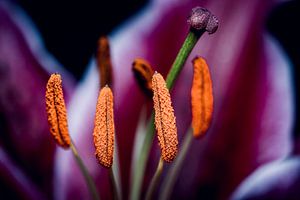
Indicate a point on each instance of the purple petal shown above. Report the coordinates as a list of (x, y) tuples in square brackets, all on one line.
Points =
[(23, 75), (276, 180)]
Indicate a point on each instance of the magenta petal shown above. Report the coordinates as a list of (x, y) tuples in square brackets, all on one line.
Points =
[(23, 75), (276, 180)]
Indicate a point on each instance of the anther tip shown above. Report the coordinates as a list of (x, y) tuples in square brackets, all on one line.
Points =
[(55, 76), (103, 40)]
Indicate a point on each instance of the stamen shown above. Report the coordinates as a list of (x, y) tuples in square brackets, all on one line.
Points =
[(143, 73), (104, 128), (201, 98), (165, 121), (104, 62), (56, 111)]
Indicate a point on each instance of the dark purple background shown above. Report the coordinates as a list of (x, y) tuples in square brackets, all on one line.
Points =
[(71, 28)]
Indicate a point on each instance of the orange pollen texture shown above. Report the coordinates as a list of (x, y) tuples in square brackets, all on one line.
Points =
[(104, 128), (104, 62), (56, 111), (143, 73), (201, 98), (165, 121)]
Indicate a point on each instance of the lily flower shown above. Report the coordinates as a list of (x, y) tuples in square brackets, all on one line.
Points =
[(252, 117)]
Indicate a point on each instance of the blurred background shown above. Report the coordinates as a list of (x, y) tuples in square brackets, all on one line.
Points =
[(75, 26)]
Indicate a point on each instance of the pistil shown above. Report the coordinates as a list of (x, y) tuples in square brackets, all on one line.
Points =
[(200, 21)]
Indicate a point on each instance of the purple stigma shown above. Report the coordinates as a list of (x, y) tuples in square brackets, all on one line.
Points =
[(202, 19)]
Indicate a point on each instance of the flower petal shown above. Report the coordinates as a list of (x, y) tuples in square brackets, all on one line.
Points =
[(276, 180), (24, 70)]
